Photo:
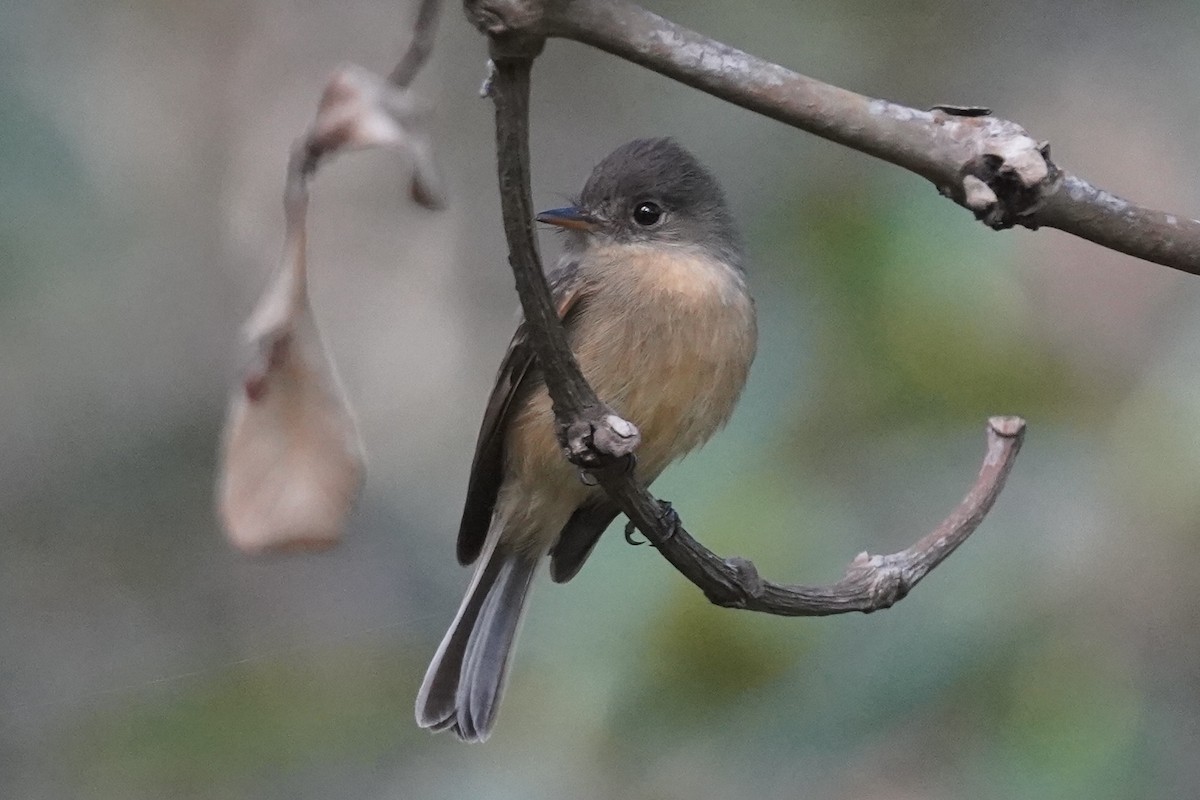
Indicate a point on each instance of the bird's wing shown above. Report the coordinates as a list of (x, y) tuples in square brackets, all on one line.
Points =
[(579, 536), (487, 470)]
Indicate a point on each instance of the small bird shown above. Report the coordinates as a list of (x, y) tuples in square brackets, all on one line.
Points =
[(652, 293)]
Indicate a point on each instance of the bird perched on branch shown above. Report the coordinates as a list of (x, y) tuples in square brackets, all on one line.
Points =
[(652, 293)]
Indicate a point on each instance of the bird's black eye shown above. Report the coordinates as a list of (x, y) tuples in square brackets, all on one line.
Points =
[(647, 214)]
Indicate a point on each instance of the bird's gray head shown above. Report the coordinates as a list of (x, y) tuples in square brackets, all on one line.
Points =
[(651, 191)]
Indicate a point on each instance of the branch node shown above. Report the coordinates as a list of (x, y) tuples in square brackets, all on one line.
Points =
[(1010, 178), (746, 574), (504, 18), (514, 28), (885, 579)]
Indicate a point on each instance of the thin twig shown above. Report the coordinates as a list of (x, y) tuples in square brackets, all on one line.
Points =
[(512, 139), (421, 45), (989, 165), (578, 411), (870, 583)]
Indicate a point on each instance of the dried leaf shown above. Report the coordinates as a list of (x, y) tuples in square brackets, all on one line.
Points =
[(291, 462)]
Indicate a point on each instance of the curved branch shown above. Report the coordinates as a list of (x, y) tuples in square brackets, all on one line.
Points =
[(990, 166), (870, 583)]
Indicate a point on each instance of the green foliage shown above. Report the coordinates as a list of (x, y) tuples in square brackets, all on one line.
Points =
[(251, 720), (915, 326)]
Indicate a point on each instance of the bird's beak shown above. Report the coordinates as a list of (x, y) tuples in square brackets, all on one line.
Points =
[(571, 217)]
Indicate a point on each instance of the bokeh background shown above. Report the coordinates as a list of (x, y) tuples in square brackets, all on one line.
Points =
[(142, 149)]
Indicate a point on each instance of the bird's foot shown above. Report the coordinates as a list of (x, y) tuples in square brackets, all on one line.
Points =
[(600, 441)]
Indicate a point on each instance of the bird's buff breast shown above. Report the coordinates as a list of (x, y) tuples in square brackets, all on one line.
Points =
[(666, 339)]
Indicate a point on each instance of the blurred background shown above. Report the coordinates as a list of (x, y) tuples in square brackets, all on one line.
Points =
[(1056, 655)]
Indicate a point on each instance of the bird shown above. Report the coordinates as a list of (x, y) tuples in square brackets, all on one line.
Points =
[(651, 290)]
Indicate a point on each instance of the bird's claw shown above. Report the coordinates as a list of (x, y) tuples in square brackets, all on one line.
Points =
[(669, 518)]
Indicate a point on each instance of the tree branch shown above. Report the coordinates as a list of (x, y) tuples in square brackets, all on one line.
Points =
[(870, 583), (989, 165), (583, 420)]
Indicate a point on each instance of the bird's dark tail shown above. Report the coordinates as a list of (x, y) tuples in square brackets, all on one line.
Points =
[(462, 688)]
